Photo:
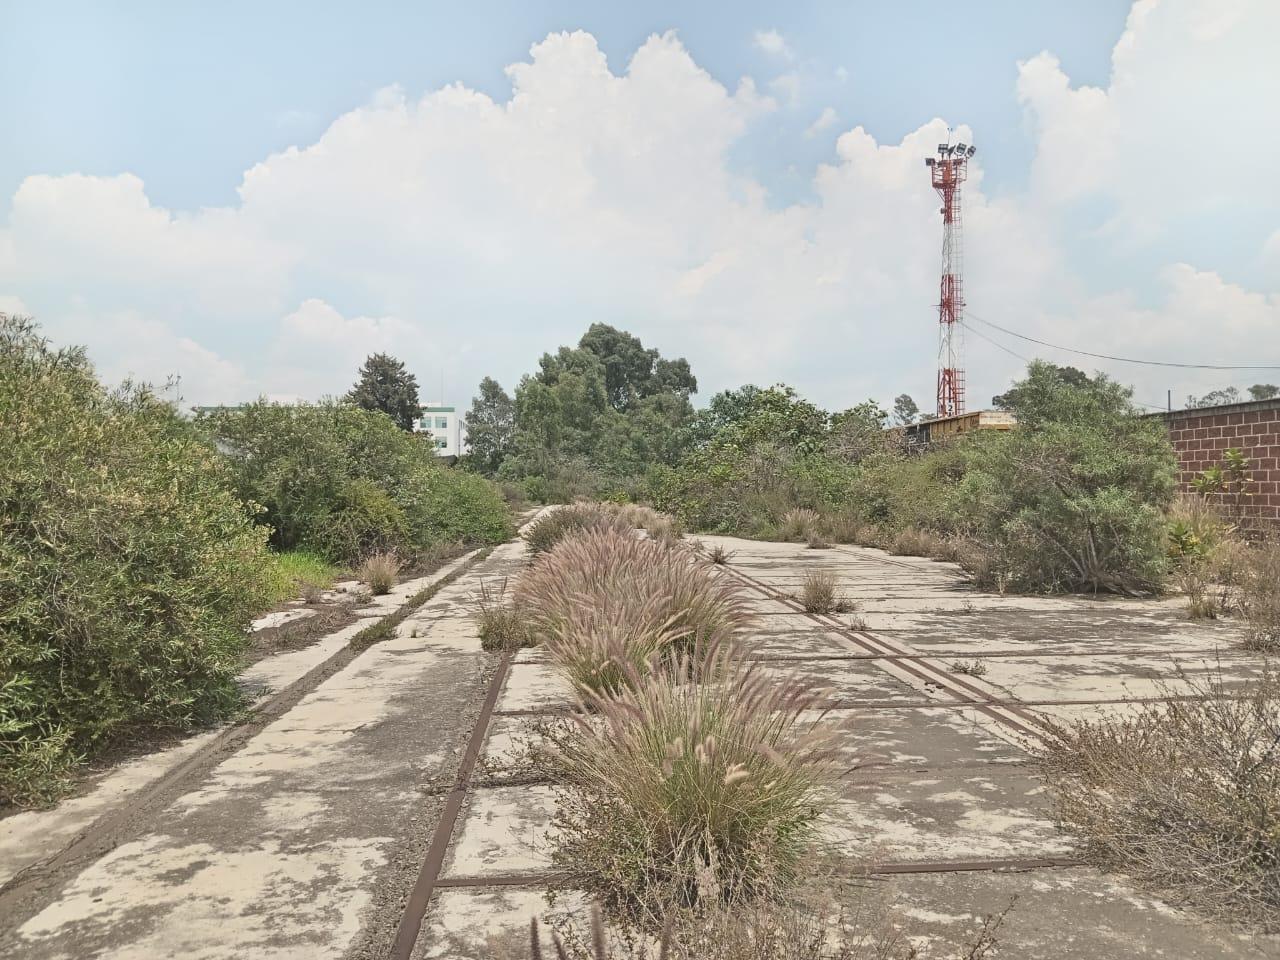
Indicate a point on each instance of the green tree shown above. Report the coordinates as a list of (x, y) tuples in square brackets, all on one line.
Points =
[(1214, 398), (1074, 498), (1023, 398), (491, 427), (385, 385), (632, 372), (1263, 391), (905, 410)]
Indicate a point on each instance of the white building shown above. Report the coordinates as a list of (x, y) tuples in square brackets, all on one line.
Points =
[(444, 427)]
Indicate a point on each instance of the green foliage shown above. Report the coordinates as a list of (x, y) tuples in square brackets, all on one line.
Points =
[(449, 506), (364, 519), (1264, 391), (594, 418), (385, 386), (128, 570), (1214, 398), (491, 427), (344, 481), (297, 571), (1075, 497)]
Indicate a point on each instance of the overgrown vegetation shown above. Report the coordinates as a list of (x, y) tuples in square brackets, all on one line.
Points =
[(503, 624), (128, 569), (685, 792), (549, 530), (300, 573), (611, 607), (347, 482), (1184, 796)]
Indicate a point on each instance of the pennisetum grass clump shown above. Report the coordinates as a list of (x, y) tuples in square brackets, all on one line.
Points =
[(603, 600), (571, 520), (679, 792)]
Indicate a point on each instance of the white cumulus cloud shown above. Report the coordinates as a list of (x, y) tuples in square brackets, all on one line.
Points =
[(467, 234)]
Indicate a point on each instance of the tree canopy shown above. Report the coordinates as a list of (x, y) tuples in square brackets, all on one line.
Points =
[(385, 385)]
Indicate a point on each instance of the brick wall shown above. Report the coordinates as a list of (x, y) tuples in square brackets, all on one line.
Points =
[(1200, 437)]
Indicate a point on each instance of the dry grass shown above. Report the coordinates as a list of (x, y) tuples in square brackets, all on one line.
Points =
[(842, 528), (972, 668), (817, 542), (1259, 597), (1184, 796), (818, 592), (719, 555), (914, 542), (799, 525), (502, 623), (686, 793), (380, 572), (573, 519), (604, 601)]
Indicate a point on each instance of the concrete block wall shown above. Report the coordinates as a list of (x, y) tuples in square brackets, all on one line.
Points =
[(1201, 436)]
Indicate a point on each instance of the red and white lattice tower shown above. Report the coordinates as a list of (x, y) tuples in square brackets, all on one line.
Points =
[(948, 170)]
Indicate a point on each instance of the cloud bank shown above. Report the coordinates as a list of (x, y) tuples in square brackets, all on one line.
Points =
[(467, 235)]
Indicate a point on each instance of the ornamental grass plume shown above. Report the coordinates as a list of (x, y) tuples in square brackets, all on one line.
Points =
[(604, 599)]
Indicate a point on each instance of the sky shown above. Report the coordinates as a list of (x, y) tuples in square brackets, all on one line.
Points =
[(255, 196)]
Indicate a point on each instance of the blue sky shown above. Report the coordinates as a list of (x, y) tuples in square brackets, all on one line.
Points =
[(716, 219), (188, 95)]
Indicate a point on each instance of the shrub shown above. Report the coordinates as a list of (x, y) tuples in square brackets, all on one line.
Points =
[(502, 623), (346, 481), (818, 591), (451, 506), (128, 569), (578, 518), (1074, 498), (1260, 597), (1184, 796), (604, 599), (686, 792), (363, 520), (380, 572)]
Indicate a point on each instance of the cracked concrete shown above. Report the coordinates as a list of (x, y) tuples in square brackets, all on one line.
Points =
[(303, 840), (930, 780)]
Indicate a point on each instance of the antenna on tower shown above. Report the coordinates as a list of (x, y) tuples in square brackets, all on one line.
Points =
[(947, 171)]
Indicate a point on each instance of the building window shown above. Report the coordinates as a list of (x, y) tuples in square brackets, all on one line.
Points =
[(424, 423), (442, 423), (441, 443)]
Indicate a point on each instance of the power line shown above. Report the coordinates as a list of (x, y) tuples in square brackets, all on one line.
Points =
[(1106, 356), (1012, 353)]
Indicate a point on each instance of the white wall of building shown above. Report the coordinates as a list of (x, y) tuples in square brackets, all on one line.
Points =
[(444, 425)]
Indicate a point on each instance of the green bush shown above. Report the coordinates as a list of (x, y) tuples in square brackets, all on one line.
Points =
[(444, 506), (347, 482), (1075, 497), (128, 569), (364, 520)]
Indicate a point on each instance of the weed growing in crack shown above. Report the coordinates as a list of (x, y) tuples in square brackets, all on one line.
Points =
[(972, 668), (818, 591)]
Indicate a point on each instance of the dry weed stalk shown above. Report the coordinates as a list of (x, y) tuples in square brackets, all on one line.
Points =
[(799, 524), (818, 591), (380, 571), (1184, 796)]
